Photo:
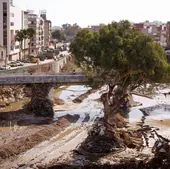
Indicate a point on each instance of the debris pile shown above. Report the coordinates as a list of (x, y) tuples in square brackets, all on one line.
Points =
[(101, 141)]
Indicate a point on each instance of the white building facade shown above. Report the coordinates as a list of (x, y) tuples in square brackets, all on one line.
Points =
[(12, 20), (37, 42), (10, 24)]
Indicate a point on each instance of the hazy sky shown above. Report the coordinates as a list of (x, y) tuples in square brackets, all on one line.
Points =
[(90, 12)]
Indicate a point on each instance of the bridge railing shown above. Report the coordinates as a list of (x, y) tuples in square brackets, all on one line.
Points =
[(59, 78), (39, 74)]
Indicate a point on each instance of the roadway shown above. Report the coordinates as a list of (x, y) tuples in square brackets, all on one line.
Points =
[(41, 62)]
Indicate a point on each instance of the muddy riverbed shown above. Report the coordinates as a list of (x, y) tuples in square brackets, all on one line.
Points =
[(29, 142)]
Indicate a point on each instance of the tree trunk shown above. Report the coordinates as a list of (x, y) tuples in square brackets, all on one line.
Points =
[(29, 51), (109, 134), (112, 102), (20, 52), (24, 50)]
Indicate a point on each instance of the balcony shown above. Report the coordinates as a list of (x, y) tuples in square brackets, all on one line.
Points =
[(12, 24)]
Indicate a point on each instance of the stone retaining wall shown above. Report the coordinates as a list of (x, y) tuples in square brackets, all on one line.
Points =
[(12, 93)]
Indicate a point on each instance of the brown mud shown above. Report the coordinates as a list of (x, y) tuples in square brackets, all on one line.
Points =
[(23, 134), (82, 97)]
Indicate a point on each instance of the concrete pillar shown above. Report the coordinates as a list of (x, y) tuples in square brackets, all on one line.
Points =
[(41, 103)]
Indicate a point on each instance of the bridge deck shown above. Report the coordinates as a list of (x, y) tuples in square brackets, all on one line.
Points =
[(28, 79)]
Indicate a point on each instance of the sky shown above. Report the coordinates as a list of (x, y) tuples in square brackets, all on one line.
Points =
[(93, 12)]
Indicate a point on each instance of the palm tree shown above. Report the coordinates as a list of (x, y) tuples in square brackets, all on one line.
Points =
[(30, 34), (20, 37)]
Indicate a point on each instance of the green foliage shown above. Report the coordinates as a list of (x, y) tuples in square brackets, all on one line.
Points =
[(70, 30), (30, 33), (59, 35), (19, 36), (118, 53), (22, 35)]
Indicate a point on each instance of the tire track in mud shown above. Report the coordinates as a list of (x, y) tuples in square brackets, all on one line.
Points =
[(52, 149)]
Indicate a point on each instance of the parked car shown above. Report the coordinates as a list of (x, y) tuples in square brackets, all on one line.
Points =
[(13, 64), (42, 57), (19, 63), (167, 51), (7, 67)]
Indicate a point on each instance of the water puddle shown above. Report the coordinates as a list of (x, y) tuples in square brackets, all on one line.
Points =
[(161, 123), (88, 110), (153, 112), (73, 91)]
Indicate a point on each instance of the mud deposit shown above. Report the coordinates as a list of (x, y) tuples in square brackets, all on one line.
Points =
[(19, 138), (29, 142), (126, 165)]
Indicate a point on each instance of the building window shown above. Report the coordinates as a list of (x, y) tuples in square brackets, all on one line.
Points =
[(5, 14), (32, 50), (12, 14), (4, 6), (16, 31), (32, 44), (5, 41), (12, 23), (2, 54), (11, 2), (17, 47), (5, 24), (5, 27)]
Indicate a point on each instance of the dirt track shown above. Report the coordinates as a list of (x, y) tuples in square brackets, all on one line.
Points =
[(17, 140)]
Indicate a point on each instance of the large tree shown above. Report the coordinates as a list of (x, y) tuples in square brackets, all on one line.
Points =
[(121, 58), (59, 35), (70, 30), (25, 37), (21, 36), (30, 34)]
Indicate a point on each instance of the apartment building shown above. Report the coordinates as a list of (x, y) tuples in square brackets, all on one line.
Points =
[(47, 33), (12, 20), (10, 23), (37, 42), (47, 29), (156, 30)]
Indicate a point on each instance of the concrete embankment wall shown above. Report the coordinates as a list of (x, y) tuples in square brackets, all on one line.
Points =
[(53, 67)]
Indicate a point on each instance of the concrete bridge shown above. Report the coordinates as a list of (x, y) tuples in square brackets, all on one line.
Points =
[(41, 86), (41, 83), (42, 78)]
